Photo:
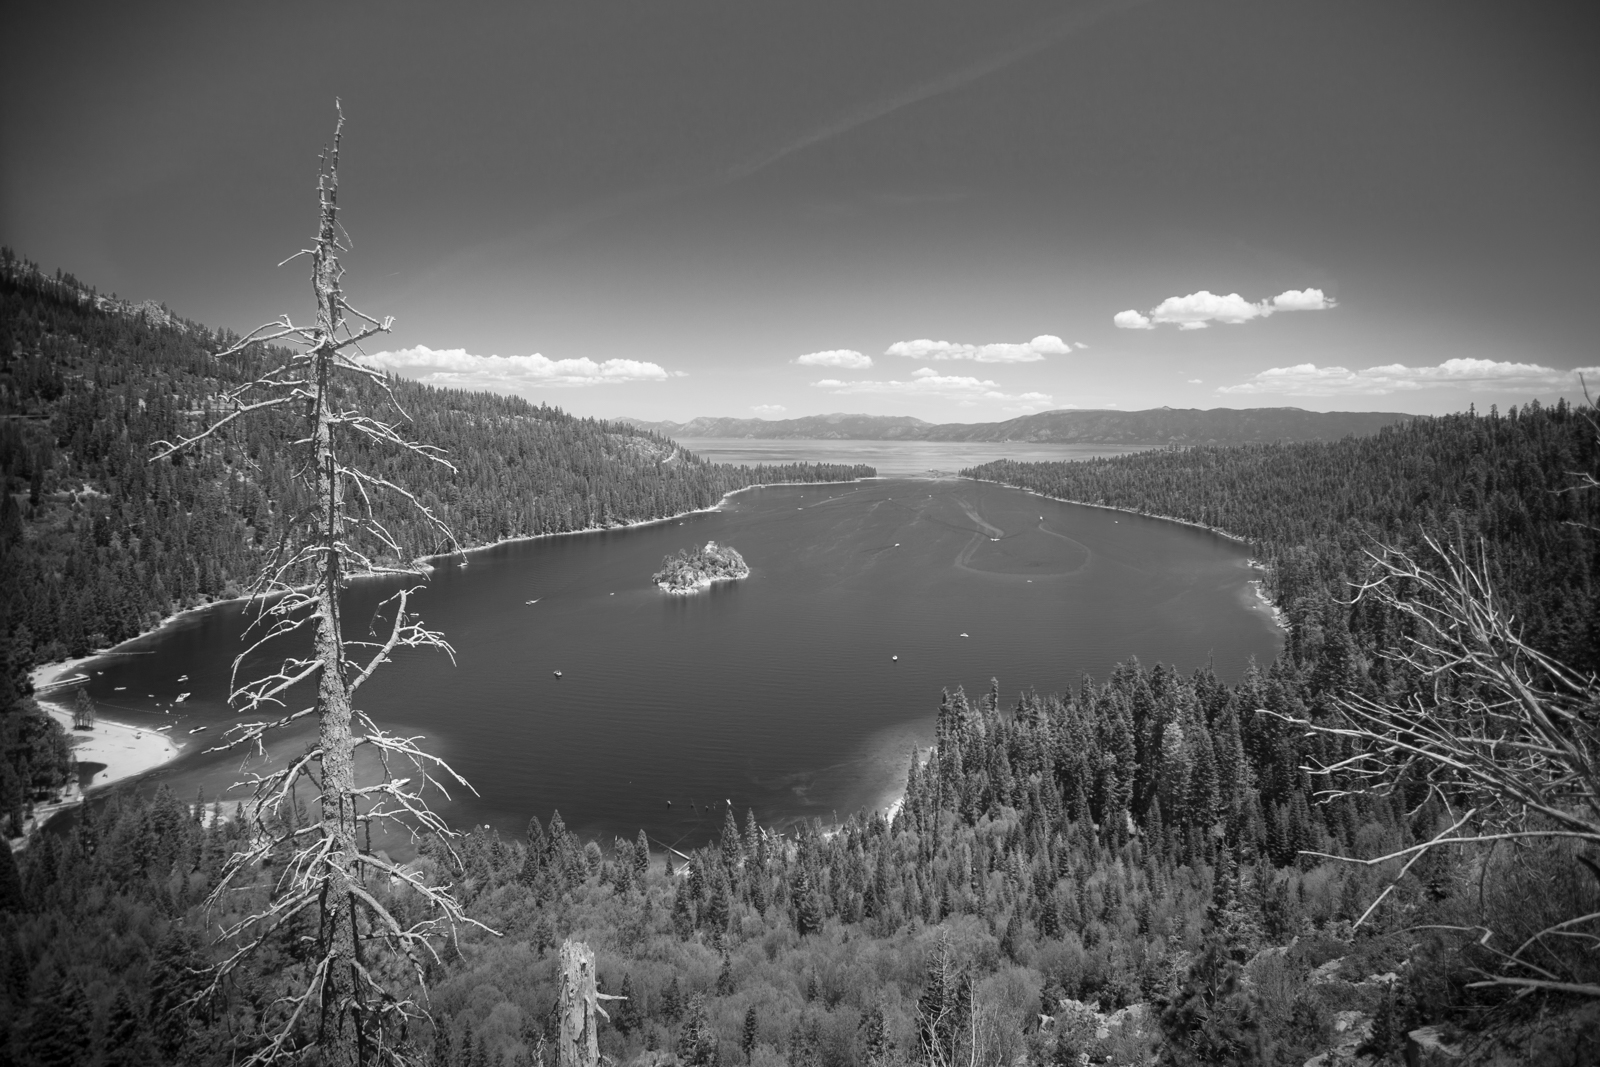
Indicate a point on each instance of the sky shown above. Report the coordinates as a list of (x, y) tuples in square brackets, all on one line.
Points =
[(955, 211)]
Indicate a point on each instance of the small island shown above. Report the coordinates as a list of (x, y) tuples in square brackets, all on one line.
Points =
[(689, 572)]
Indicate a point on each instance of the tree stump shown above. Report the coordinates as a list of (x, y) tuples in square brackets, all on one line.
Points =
[(579, 1046)]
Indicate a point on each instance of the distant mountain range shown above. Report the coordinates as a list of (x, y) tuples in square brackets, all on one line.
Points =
[(1157, 426)]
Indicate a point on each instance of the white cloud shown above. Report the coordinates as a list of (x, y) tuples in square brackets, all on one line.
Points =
[(1195, 381), (458, 369), (1199, 310), (1476, 375), (843, 358), (927, 382), (1301, 300), (769, 409), (1000, 352), (1194, 311)]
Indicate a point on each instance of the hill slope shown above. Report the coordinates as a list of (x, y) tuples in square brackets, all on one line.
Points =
[(97, 543), (1156, 426)]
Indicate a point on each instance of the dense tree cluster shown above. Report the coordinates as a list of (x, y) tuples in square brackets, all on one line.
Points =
[(35, 755), (97, 544)]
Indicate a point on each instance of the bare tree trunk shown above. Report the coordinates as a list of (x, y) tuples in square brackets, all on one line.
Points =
[(360, 1013), (579, 1045), (340, 995)]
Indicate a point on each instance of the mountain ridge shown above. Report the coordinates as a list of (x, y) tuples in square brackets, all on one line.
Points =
[(1151, 426)]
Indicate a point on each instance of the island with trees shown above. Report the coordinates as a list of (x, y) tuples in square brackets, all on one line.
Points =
[(689, 572)]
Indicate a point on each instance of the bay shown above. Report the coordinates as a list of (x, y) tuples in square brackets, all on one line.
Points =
[(797, 693)]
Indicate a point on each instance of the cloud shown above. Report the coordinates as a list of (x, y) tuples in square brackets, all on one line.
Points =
[(458, 369), (1476, 375), (1196, 381), (1001, 352), (1199, 310), (1194, 311), (769, 409), (927, 382), (843, 358), (1301, 300)]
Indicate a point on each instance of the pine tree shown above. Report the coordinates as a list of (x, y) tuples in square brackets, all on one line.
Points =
[(127, 1044), (1210, 1019), (629, 1013), (874, 1030), (58, 1032), (10, 879), (698, 1044), (641, 857), (750, 1034)]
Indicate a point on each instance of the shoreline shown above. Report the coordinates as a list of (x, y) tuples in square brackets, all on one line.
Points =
[(125, 751), (1126, 511), (1257, 585)]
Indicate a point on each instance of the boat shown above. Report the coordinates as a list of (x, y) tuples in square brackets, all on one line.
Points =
[(963, 635), (535, 600), (894, 658), (197, 729), (556, 673)]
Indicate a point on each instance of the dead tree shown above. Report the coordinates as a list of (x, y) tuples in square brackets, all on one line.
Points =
[(578, 1006), (331, 888), (1507, 738)]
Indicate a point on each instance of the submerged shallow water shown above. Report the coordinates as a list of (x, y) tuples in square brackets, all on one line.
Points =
[(779, 693)]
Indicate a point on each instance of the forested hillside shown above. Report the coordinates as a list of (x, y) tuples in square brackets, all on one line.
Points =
[(1314, 510), (97, 543)]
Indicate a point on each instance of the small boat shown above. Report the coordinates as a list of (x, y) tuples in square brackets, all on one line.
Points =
[(180, 698), (535, 600), (120, 688), (183, 677), (556, 673), (994, 538), (160, 729), (963, 635), (197, 729), (895, 658)]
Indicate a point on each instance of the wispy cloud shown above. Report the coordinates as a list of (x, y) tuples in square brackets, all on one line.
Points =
[(1476, 375), (1199, 310), (927, 382), (769, 409), (843, 358), (457, 368), (1001, 352)]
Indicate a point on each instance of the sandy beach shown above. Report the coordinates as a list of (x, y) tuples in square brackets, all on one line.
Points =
[(125, 750)]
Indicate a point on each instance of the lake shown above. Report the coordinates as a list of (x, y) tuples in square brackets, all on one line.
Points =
[(781, 693)]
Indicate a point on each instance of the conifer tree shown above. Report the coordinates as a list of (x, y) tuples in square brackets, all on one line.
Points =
[(750, 1033), (58, 1032)]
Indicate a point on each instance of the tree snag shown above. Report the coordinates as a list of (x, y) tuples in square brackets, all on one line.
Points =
[(333, 897)]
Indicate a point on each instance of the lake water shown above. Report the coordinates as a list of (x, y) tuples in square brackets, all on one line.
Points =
[(779, 693)]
